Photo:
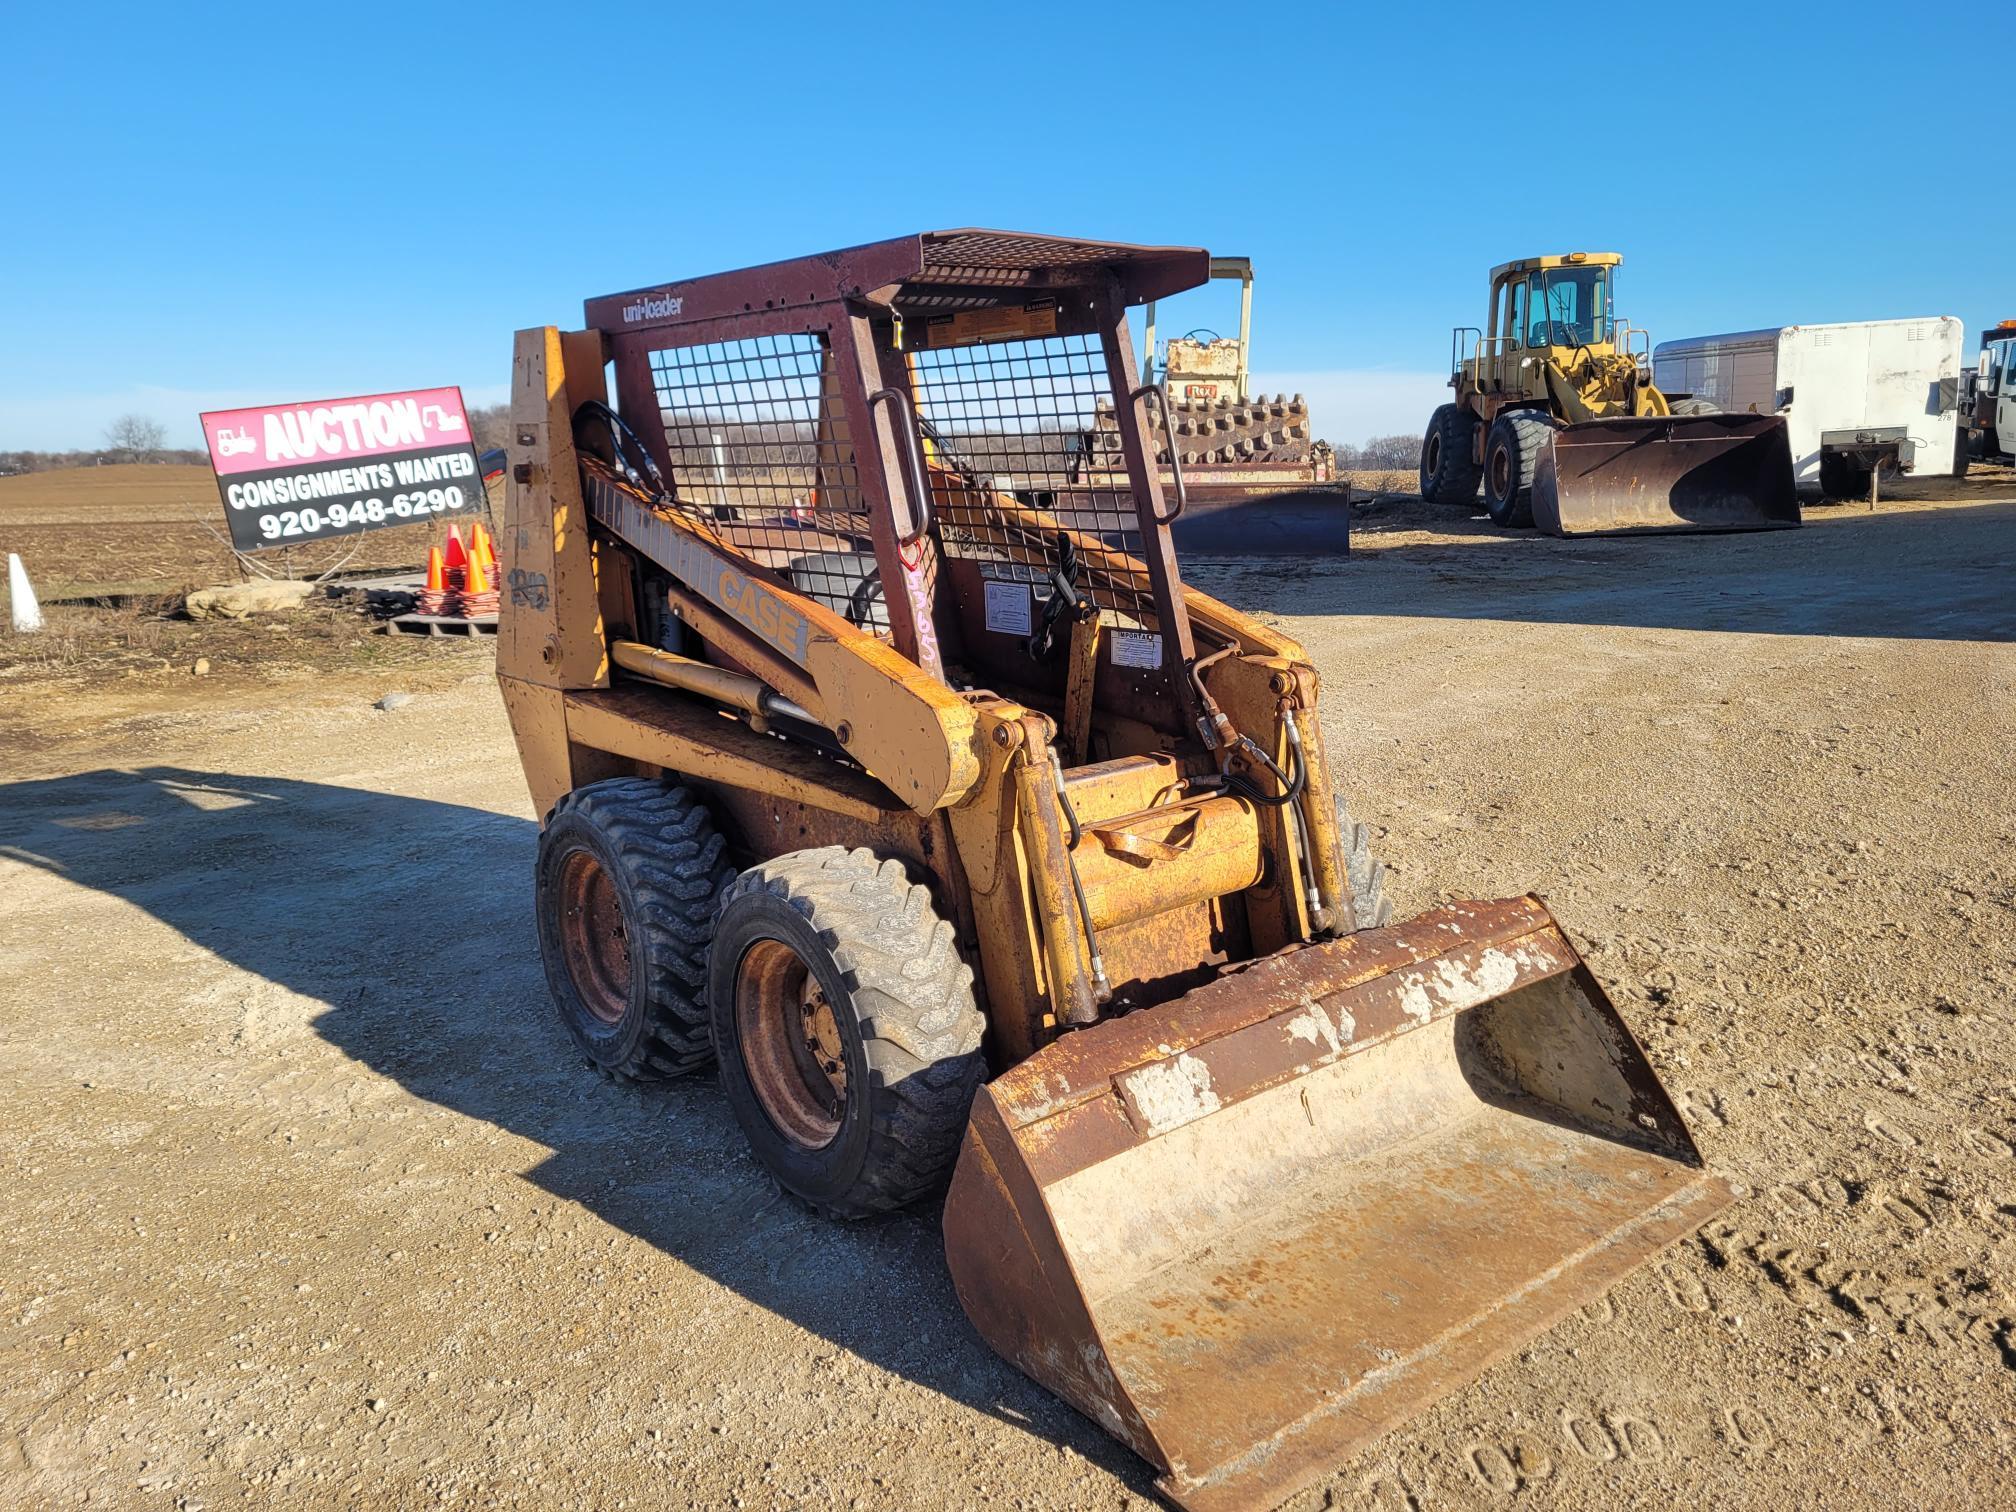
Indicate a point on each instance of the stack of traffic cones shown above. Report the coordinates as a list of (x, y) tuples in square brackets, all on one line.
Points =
[(462, 580)]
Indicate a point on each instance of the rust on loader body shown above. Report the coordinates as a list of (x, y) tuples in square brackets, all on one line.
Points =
[(1666, 473), (1246, 1244)]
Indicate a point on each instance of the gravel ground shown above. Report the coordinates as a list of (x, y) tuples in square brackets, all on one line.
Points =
[(305, 1198)]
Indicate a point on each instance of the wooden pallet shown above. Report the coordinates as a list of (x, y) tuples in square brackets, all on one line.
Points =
[(440, 625)]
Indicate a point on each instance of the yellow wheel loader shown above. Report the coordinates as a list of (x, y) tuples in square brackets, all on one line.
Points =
[(1556, 414), (982, 856)]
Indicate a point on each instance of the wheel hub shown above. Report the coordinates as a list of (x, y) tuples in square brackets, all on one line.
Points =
[(791, 1044), (592, 937)]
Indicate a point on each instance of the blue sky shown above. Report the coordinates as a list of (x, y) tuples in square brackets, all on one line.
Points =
[(233, 205)]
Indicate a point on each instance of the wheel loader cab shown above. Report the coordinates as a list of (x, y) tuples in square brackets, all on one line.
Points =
[(882, 752), (1561, 307)]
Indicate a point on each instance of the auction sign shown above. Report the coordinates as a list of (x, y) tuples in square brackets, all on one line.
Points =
[(299, 472)]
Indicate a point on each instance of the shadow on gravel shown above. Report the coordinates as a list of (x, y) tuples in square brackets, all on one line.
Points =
[(1933, 574), (411, 919)]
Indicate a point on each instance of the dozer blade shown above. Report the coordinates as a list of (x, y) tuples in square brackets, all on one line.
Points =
[(1252, 1229), (1281, 521), (1691, 472)]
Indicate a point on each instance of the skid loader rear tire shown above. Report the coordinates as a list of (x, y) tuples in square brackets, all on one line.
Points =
[(848, 1035), (629, 875), (1510, 452), (1448, 475), (1369, 904)]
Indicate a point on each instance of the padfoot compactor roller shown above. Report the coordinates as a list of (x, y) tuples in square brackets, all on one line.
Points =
[(984, 857), (1252, 479), (1555, 412)]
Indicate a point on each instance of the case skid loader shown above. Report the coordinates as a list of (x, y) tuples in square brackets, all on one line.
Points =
[(1556, 413), (977, 849)]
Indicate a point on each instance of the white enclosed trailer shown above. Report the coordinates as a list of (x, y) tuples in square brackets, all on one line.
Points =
[(1856, 396)]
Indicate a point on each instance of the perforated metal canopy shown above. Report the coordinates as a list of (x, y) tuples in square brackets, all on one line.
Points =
[(927, 270)]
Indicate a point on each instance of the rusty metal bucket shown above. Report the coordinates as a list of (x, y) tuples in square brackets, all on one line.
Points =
[(1250, 1230), (1679, 473)]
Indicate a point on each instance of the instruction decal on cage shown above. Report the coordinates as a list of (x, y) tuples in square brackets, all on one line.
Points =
[(1135, 648), (299, 472), (1008, 611), (1006, 323)]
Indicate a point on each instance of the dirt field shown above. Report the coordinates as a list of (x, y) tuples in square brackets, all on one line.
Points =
[(153, 529), (306, 1198)]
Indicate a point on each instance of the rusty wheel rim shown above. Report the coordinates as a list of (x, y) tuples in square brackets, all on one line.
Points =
[(593, 939), (1501, 472), (791, 1044)]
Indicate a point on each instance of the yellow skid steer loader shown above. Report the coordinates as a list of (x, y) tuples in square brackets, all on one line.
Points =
[(983, 856)]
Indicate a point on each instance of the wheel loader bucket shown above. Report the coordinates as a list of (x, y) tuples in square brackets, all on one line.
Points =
[(1692, 472), (1252, 1229)]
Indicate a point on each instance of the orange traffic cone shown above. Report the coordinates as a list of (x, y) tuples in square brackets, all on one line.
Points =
[(477, 580), (458, 554), (480, 547), (430, 599)]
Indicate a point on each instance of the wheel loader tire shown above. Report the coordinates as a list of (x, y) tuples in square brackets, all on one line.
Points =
[(1694, 407), (848, 1035), (629, 875), (1448, 475), (1962, 452), (1510, 452), (1367, 875)]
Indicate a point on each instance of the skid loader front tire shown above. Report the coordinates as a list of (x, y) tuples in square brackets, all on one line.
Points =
[(629, 875), (1511, 451), (848, 1035), (1448, 475)]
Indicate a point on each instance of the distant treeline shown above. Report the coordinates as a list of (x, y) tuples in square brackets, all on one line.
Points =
[(49, 461), (1380, 454)]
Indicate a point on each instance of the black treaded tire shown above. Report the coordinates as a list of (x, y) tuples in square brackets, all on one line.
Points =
[(1511, 450), (1448, 475), (1841, 480), (1962, 451), (642, 859), (882, 970), (1367, 875)]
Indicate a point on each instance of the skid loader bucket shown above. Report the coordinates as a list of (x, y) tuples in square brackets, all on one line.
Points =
[(1252, 1229), (1691, 472)]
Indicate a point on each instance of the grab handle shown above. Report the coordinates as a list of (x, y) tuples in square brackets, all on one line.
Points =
[(920, 483), (1160, 393)]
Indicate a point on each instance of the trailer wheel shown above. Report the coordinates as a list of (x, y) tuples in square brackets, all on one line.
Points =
[(1448, 476), (1511, 451), (629, 874), (1962, 451), (848, 1035), (1842, 480), (1367, 875)]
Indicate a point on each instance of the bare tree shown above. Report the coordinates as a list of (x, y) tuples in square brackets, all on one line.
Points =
[(490, 426), (136, 437)]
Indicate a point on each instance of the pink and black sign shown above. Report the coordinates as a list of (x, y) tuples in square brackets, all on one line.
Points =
[(299, 472)]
